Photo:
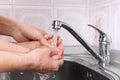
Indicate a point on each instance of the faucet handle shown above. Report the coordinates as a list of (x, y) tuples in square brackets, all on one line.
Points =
[(104, 46), (100, 32), (103, 36)]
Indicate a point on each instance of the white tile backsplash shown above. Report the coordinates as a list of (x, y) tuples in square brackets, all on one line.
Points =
[(81, 3), (97, 2), (115, 23), (38, 16), (5, 2), (77, 18), (33, 2), (110, 19), (78, 13), (99, 17), (6, 10)]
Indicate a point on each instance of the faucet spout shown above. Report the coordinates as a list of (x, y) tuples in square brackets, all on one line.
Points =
[(58, 24)]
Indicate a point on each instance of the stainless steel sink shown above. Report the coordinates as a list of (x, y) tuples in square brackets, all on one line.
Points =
[(75, 71), (69, 71)]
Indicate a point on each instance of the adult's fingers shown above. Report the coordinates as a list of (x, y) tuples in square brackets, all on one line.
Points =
[(55, 64), (42, 31), (48, 36), (54, 51), (61, 61), (59, 41), (43, 41), (61, 49)]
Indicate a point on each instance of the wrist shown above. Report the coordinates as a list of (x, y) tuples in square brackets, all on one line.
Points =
[(29, 63), (26, 62)]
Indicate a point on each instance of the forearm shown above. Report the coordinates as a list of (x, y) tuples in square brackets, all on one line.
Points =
[(7, 26), (13, 62), (11, 47)]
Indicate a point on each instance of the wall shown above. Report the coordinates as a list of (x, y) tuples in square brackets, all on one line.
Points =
[(41, 13), (102, 13), (105, 14)]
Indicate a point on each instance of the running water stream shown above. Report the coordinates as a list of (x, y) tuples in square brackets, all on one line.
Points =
[(46, 76), (55, 32)]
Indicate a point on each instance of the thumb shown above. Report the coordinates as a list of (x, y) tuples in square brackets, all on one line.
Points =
[(48, 36)]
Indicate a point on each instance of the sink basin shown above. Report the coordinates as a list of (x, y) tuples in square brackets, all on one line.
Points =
[(75, 71), (69, 71)]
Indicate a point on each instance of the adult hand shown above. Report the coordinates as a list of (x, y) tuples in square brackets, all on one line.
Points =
[(42, 61), (29, 44), (21, 32), (35, 44), (29, 33), (44, 55), (60, 47)]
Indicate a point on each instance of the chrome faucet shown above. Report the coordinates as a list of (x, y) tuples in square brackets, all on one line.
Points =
[(104, 42), (104, 46)]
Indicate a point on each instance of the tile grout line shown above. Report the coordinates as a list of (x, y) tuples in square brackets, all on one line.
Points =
[(53, 9), (52, 14), (12, 8)]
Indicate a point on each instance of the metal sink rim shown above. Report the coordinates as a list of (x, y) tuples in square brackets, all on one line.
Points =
[(94, 67)]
